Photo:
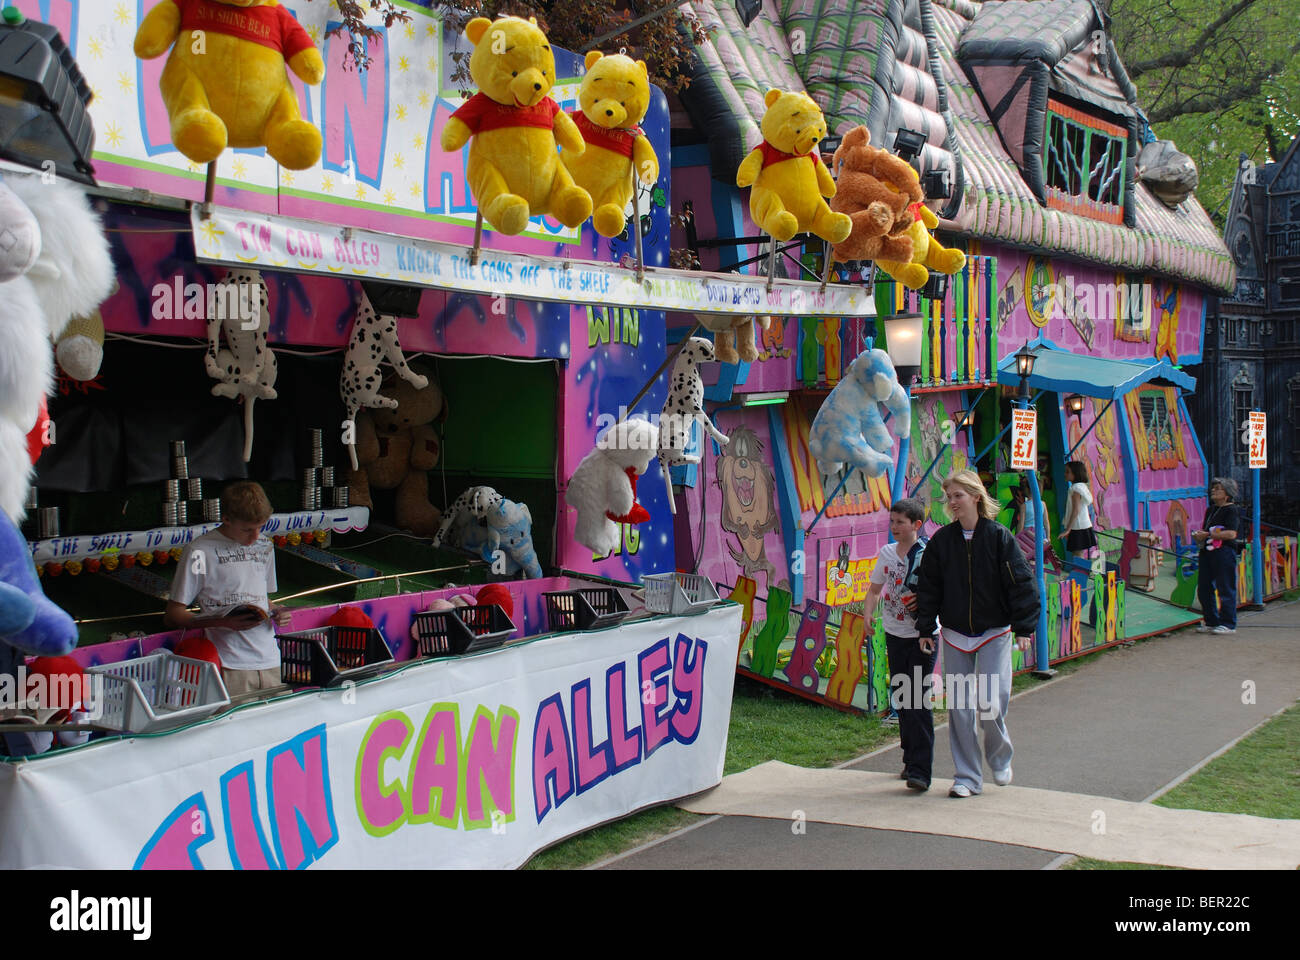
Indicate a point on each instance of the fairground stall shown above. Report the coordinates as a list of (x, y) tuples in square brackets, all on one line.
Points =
[(1027, 134), (274, 323)]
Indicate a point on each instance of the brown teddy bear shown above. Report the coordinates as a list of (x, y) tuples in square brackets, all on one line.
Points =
[(395, 449), (876, 189), (732, 332)]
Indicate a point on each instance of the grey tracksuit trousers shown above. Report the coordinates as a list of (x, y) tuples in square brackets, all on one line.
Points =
[(978, 687)]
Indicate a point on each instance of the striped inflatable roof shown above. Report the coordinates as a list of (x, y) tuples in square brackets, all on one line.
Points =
[(868, 62)]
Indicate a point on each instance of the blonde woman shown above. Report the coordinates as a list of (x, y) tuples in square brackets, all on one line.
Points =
[(975, 582)]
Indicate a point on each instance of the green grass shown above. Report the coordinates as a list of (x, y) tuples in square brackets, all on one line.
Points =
[(1259, 776), (766, 724)]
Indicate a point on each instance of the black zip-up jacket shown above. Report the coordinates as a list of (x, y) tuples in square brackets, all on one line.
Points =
[(973, 586)]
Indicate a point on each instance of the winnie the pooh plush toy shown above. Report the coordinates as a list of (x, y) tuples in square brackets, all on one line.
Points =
[(927, 253), (512, 127), (225, 83), (787, 173), (614, 98)]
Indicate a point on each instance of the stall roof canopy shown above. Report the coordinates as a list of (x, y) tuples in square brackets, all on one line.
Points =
[(1104, 378)]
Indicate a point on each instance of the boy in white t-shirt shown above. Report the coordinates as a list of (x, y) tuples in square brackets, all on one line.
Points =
[(230, 573), (911, 659)]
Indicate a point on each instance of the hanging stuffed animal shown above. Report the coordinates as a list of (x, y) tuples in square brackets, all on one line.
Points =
[(80, 351), (246, 367), (848, 429), (875, 188), (614, 98), (513, 126), (59, 266), (787, 174), (603, 488), (730, 333), (373, 340), (684, 406), (225, 82)]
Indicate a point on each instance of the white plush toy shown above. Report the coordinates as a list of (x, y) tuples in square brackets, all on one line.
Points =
[(848, 429), (684, 406), (474, 504), (55, 264), (246, 367), (603, 488), (373, 340)]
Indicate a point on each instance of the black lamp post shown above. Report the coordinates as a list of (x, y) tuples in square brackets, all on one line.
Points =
[(1025, 360)]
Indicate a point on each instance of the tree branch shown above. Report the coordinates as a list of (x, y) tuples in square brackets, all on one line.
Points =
[(1181, 58)]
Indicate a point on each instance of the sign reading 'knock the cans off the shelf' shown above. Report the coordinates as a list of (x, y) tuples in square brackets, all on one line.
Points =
[(262, 242), (1024, 439), (1257, 439)]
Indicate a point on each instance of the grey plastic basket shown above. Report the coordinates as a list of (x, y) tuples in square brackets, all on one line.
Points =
[(678, 593), (158, 692)]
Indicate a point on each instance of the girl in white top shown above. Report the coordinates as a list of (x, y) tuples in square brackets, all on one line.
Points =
[(1080, 538)]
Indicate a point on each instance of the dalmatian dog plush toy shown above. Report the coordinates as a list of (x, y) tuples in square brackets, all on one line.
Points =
[(245, 367), (684, 406), (848, 428), (603, 488), (474, 502), (373, 340)]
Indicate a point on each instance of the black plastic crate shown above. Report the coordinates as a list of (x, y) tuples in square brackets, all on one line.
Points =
[(328, 656), (589, 608), (445, 633)]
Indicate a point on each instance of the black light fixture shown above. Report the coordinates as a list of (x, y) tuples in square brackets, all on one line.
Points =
[(830, 144), (1074, 404), (393, 299), (937, 184), (908, 144), (963, 419), (748, 10), (43, 100), (1025, 360), (936, 288)]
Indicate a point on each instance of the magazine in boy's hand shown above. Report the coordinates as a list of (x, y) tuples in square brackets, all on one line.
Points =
[(249, 611)]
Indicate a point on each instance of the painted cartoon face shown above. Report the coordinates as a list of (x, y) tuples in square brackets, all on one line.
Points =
[(744, 477)]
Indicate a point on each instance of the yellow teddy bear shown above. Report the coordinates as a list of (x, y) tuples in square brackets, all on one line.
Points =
[(927, 252), (787, 173), (225, 83), (614, 98), (514, 171)]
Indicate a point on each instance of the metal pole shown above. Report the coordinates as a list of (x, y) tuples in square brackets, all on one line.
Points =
[(636, 230), (478, 238), (1257, 550), (209, 190), (771, 265), (1042, 669), (904, 451)]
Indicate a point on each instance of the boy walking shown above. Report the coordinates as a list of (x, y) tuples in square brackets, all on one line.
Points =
[(230, 572), (911, 658)]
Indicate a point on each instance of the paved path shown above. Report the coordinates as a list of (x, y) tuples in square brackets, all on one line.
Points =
[(1126, 726)]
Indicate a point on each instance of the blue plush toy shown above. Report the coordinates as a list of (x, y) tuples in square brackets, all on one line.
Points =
[(28, 620), (506, 526), (849, 429)]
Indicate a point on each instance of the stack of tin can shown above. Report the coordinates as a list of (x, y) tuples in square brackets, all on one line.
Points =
[(180, 490), (318, 487), (40, 523)]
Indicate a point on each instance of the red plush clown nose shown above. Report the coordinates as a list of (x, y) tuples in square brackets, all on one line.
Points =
[(498, 594)]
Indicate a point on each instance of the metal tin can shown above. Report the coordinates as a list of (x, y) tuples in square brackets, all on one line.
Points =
[(171, 491), (311, 498), (169, 512), (340, 498), (31, 502), (178, 448), (311, 477), (212, 510), (327, 476), (182, 513), (195, 488), (47, 522), (180, 468)]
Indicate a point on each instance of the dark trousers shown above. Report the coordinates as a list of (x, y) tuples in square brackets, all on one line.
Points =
[(1218, 571), (909, 670)]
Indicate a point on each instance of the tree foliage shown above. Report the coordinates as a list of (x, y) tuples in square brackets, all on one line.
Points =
[(1218, 77), (571, 24)]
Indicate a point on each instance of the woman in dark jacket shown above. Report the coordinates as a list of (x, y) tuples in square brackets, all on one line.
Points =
[(975, 589), (1217, 559)]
